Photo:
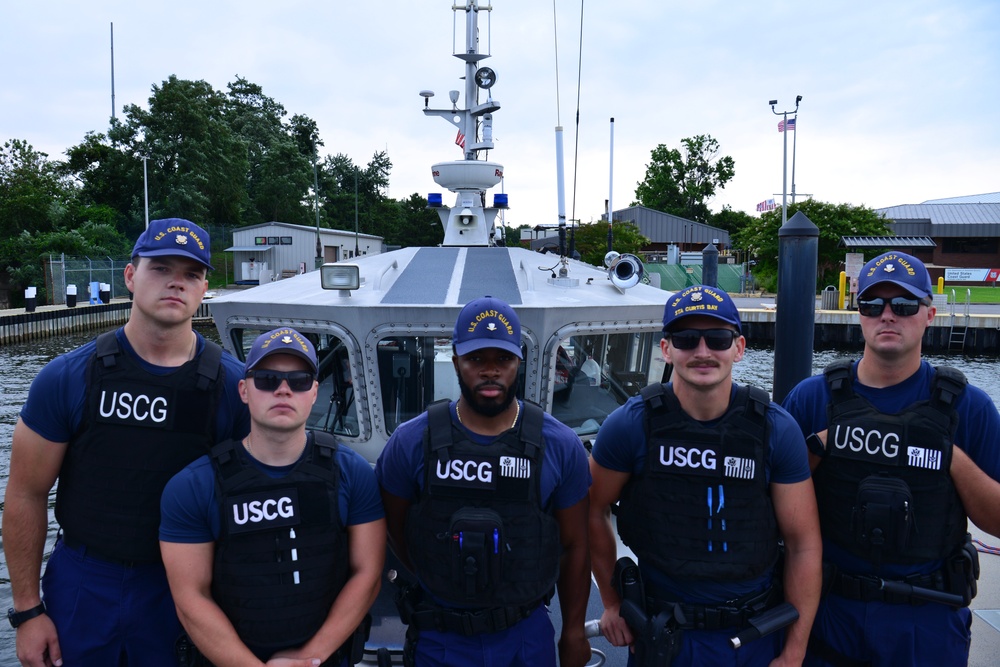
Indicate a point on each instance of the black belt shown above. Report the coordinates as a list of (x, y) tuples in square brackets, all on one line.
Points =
[(872, 589), (732, 614), (76, 545), (470, 622)]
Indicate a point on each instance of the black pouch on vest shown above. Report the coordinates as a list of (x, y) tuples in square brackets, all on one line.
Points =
[(962, 571), (883, 513), (477, 549)]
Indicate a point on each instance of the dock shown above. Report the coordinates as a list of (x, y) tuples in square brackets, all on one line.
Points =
[(955, 329), (19, 326)]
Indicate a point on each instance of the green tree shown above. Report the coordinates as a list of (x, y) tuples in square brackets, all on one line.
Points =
[(421, 226), (279, 174), (197, 164), (22, 255), (681, 182), (732, 221), (33, 195), (834, 221), (591, 240), (111, 177)]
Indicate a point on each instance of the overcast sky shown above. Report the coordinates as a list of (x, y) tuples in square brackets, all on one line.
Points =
[(900, 104)]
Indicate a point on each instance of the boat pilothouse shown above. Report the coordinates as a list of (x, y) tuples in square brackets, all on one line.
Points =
[(382, 323)]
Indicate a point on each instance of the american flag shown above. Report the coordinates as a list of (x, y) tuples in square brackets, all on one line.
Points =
[(460, 140), (791, 125), (766, 205)]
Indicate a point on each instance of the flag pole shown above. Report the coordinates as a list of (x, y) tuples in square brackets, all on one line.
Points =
[(794, 142), (783, 128)]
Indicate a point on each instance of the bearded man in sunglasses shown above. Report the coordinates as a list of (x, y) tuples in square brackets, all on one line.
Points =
[(709, 477), (274, 544), (902, 453)]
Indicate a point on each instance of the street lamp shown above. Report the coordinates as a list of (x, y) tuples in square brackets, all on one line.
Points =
[(784, 171)]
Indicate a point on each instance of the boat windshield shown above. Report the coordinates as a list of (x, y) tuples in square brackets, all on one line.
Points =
[(415, 371), (335, 409), (596, 373)]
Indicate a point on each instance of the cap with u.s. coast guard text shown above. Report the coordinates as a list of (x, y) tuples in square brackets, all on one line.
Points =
[(282, 341), (174, 237), (487, 322), (701, 300), (899, 269)]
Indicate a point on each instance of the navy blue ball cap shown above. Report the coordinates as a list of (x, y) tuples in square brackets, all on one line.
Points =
[(281, 341), (899, 269), (487, 322), (174, 237), (701, 300)]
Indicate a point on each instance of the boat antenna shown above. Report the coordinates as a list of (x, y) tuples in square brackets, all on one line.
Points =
[(576, 144), (560, 177)]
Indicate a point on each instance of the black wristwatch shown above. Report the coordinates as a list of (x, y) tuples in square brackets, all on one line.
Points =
[(16, 618), (816, 445)]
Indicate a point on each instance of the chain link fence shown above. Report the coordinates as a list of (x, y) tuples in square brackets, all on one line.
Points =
[(62, 271)]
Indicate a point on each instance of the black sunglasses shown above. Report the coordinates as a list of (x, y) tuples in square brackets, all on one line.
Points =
[(901, 306), (270, 380), (715, 339)]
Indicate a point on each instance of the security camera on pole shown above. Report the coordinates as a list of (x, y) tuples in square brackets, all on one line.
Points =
[(784, 127)]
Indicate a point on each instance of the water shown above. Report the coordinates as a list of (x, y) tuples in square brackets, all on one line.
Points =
[(20, 363)]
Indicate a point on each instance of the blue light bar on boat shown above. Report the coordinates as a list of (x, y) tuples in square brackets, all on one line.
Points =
[(434, 200), (500, 200)]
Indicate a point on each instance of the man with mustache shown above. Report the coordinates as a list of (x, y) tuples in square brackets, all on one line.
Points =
[(486, 504), (709, 477)]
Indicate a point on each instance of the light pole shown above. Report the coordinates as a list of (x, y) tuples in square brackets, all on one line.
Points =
[(784, 169), (355, 212), (319, 243)]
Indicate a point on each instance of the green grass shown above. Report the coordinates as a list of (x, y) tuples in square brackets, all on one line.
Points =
[(979, 294), (223, 272)]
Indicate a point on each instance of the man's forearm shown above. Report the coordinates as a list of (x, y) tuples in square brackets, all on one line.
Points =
[(25, 528)]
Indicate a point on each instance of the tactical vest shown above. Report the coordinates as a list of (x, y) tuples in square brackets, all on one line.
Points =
[(138, 430), (884, 489), (282, 555), (701, 508), (484, 538)]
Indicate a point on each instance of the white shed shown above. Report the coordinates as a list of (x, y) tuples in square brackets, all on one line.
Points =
[(273, 250)]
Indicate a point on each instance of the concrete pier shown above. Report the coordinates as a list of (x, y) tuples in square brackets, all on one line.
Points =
[(17, 325)]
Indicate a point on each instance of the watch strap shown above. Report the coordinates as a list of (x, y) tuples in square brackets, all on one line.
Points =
[(16, 618)]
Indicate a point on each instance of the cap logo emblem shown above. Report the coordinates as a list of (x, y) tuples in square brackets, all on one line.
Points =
[(696, 296), (889, 268), (287, 340), (491, 327), (181, 239)]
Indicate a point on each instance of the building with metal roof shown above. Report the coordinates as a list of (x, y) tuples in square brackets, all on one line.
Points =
[(663, 229), (965, 234), (988, 198)]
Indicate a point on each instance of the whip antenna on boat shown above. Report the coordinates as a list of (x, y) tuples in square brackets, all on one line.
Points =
[(560, 177)]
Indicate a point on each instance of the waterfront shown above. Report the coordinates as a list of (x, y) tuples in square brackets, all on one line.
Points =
[(20, 363)]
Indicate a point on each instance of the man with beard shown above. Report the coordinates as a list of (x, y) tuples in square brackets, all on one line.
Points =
[(486, 503)]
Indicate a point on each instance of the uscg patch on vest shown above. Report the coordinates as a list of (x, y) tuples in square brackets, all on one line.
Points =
[(263, 510), (867, 442), (472, 472), (694, 459), (129, 404)]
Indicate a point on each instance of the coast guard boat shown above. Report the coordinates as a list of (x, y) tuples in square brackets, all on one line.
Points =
[(382, 324)]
